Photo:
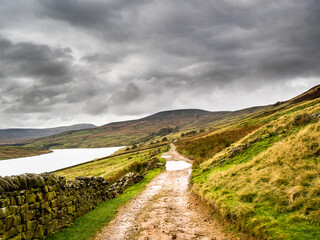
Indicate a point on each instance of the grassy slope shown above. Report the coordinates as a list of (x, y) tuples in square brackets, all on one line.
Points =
[(7, 152), (111, 168), (269, 188), (132, 132), (88, 225), (14, 135), (203, 148)]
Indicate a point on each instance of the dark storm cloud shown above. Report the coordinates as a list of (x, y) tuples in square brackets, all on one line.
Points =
[(130, 57), (80, 13), (35, 77), (110, 19), (278, 38), (117, 102), (24, 59)]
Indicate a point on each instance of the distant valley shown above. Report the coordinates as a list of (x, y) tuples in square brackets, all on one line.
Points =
[(14, 135)]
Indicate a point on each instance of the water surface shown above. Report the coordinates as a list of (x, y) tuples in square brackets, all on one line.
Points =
[(177, 165), (58, 159)]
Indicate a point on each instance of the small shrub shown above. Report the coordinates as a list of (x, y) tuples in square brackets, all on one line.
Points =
[(134, 146), (301, 119)]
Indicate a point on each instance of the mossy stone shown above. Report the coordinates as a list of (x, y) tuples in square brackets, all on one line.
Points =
[(31, 198), (31, 225), (1, 227), (19, 200), (50, 195), (24, 208), (13, 209), (4, 212), (4, 202), (39, 232)]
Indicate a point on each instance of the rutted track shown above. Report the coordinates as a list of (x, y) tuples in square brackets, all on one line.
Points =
[(165, 210)]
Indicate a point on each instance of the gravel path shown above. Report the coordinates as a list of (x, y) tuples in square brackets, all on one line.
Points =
[(165, 210)]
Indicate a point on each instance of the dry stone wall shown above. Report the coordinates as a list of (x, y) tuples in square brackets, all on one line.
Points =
[(33, 206)]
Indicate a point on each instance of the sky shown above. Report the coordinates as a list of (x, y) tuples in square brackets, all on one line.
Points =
[(65, 62)]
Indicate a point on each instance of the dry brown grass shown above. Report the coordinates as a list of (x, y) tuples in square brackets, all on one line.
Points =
[(281, 184), (201, 149), (112, 168)]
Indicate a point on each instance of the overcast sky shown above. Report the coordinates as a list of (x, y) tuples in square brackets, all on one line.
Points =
[(74, 61)]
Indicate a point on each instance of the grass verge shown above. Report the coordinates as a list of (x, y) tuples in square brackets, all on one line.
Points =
[(114, 167), (275, 194), (87, 226), (9, 152)]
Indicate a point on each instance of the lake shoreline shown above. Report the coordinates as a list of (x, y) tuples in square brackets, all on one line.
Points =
[(56, 160)]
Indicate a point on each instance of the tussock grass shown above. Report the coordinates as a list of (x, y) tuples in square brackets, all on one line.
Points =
[(275, 195), (266, 181), (200, 149), (262, 138)]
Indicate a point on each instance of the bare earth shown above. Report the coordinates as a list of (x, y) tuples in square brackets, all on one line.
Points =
[(165, 210)]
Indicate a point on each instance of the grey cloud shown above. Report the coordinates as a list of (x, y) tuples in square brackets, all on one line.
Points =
[(235, 36), (36, 77), (96, 105), (102, 58), (79, 13), (119, 57), (118, 102), (131, 93), (25, 59), (110, 19)]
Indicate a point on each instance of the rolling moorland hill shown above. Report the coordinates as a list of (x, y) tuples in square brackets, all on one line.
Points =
[(258, 168), (262, 173), (259, 172), (152, 127), (137, 131), (14, 135)]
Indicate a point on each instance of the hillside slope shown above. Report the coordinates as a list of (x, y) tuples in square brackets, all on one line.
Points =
[(262, 173), (14, 135), (137, 131)]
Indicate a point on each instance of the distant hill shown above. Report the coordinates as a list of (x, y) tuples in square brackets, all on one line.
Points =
[(313, 93), (14, 135), (136, 131), (144, 129), (262, 172)]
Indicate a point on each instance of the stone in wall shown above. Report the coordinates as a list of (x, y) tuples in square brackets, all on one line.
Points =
[(33, 206)]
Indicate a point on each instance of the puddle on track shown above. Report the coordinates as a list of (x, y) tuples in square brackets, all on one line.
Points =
[(165, 210), (177, 165)]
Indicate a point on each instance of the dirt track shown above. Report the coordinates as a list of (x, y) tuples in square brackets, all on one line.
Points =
[(165, 210)]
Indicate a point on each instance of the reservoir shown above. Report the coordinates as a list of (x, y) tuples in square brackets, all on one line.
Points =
[(58, 159)]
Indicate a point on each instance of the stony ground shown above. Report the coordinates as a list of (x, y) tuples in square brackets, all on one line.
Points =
[(165, 210)]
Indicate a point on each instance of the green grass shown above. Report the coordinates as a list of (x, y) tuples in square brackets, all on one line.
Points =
[(270, 190), (202, 148), (270, 186), (114, 167), (89, 224), (82, 139), (7, 152)]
